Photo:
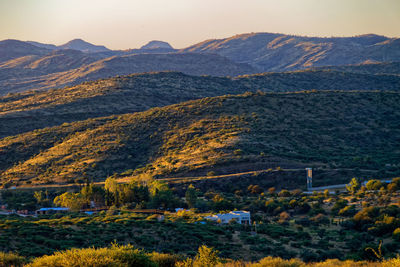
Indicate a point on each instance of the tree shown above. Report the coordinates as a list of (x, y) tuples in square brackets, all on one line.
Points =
[(133, 193), (283, 217), (284, 193), (206, 257), (271, 191), (220, 203), (255, 189), (111, 185), (93, 193), (191, 196), (73, 201), (157, 186), (373, 185), (353, 186), (41, 197), (112, 194), (394, 185)]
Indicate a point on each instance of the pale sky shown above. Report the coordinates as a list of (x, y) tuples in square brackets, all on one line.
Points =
[(123, 24)]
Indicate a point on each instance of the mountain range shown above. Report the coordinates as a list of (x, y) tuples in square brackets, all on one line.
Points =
[(34, 66), (280, 52), (250, 102)]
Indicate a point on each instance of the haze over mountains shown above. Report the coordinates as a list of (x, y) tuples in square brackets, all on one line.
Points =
[(280, 52), (32, 65)]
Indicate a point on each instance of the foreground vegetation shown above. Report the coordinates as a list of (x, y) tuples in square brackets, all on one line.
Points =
[(129, 256), (286, 224)]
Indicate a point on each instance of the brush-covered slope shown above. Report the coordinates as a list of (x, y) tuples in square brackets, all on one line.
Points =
[(10, 49), (279, 52), (34, 66), (224, 134), (124, 94), (391, 68), (13, 79)]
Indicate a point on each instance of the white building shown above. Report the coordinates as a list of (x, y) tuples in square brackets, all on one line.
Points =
[(241, 217)]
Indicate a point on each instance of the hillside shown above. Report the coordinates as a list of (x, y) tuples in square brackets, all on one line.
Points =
[(157, 45), (391, 68), (227, 134), (237, 55), (56, 70), (32, 67), (81, 45), (280, 52), (126, 94), (10, 49)]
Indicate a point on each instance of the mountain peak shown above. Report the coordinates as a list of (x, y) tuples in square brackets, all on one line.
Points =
[(79, 44), (157, 45)]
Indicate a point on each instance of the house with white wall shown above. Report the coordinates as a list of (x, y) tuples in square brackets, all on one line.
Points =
[(241, 217)]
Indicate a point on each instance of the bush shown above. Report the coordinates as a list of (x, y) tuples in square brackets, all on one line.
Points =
[(278, 262), (373, 185), (11, 259), (396, 234), (164, 260), (211, 173), (113, 256)]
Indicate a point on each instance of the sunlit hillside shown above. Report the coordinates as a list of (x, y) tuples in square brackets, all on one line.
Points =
[(139, 92), (228, 134)]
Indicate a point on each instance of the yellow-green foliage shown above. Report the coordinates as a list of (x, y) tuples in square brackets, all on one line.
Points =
[(11, 260), (117, 256), (278, 262), (127, 255), (163, 259), (206, 257)]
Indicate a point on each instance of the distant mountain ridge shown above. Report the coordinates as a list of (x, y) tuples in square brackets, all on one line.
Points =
[(157, 45), (66, 67), (32, 65), (280, 52), (11, 49), (76, 44), (81, 45)]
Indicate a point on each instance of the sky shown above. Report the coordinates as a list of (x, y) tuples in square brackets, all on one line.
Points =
[(123, 24)]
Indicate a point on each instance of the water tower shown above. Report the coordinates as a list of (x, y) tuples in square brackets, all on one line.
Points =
[(309, 178)]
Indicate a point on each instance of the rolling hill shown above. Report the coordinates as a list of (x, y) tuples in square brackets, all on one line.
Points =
[(81, 45), (11, 49), (391, 68), (237, 55), (70, 67), (35, 66), (27, 111), (280, 52), (226, 134)]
